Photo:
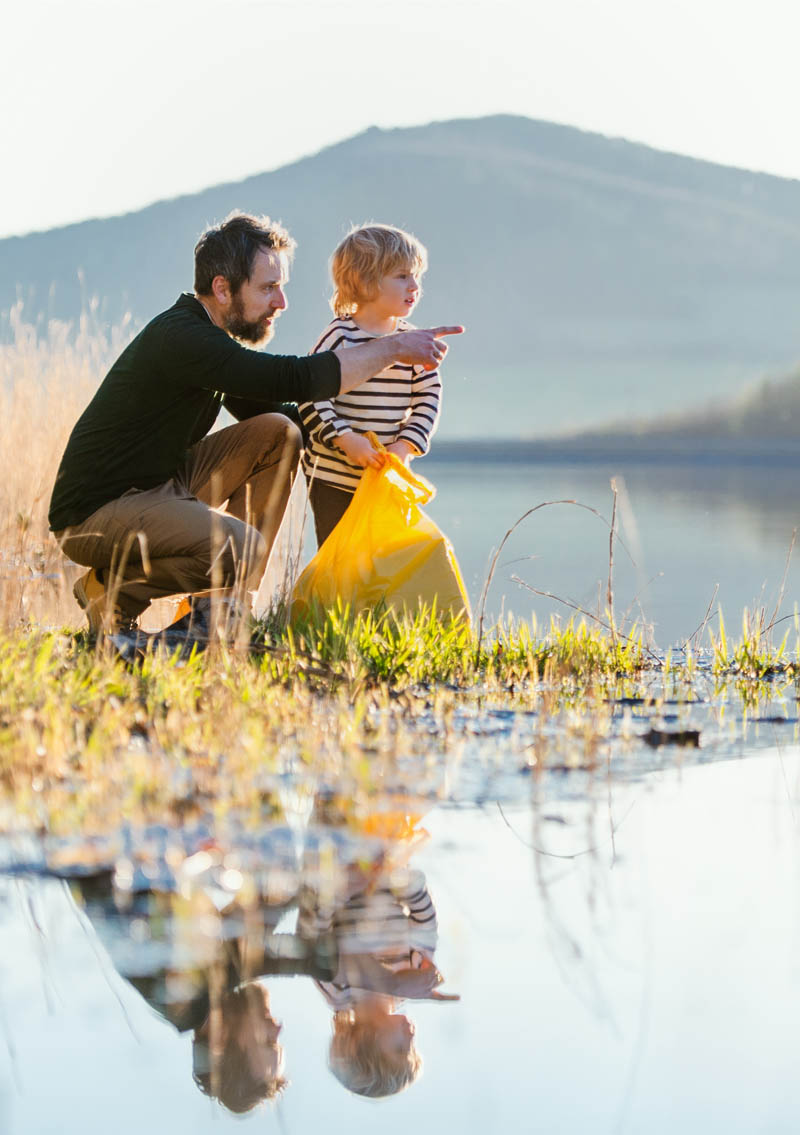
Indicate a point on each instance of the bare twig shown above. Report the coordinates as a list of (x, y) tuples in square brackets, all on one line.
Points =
[(636, 602), (699, 630), (610, 588), (782, 590), (576, 854), (512, 529), (582, 611)]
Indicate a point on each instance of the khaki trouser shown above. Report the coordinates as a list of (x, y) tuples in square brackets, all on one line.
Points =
[(169, 540)]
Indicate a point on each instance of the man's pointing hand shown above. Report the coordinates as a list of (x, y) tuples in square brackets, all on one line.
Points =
[(415, 348), (424, 347)]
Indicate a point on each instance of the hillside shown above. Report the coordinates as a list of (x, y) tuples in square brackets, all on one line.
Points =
[(767, 411), (764, 419), (597, 278), (758, 426)]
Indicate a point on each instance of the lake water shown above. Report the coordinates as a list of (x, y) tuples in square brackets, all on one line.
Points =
[(625, 950), (623, 935), (687, 528)]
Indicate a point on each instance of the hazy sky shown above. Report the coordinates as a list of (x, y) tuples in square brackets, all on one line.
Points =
[(111, 104)]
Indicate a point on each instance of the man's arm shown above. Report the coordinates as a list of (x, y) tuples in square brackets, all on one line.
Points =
[(206, 356), (416, 348), (243, 408)]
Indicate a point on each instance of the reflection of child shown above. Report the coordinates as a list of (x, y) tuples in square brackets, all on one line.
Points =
[(386, 935), (376, 273)]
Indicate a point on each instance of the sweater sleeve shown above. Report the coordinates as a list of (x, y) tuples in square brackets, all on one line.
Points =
[(243, 408), (319, 417), (322, 422), (420, 426), (413, 893), (207, 357)]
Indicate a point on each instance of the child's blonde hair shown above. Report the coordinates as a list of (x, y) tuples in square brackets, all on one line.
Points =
[(362, 1066), (367, 253)]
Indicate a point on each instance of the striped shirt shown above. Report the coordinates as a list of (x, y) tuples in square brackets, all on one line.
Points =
[(400, 403), (394, 924)]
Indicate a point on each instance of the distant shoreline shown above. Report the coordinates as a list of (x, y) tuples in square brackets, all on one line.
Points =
[(593, 450)]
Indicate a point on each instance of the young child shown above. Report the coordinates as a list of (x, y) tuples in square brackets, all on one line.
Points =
[(377, 270), (385, 929)]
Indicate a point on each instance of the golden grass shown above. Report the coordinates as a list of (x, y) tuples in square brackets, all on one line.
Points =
[(46, 379)]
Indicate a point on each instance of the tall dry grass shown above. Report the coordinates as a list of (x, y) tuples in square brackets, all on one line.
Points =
[(47, 377)]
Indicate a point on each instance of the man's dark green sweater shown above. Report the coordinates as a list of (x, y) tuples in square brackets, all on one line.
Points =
[(162, 395)]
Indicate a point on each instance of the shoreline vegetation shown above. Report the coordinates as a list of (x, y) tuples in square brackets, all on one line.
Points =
[(372, 705), (626, 447), (367, 709), (756, 427)]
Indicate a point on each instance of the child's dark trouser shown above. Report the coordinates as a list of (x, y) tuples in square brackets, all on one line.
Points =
[(329, 505)]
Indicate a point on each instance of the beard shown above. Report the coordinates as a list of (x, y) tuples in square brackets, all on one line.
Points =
[(256, 331)]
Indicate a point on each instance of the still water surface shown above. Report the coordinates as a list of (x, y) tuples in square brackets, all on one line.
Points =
[(625, 952), (687, 528), (624, 942)]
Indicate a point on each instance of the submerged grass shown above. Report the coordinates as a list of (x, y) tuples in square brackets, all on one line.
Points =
[(364, 705)]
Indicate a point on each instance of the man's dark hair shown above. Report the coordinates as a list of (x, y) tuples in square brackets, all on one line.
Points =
[(230, 248)]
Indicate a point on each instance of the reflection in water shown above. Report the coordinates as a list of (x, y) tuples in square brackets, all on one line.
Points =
[(385, 929), (237, 1058), (199, 953), (688, 527), (195, 959), (587, 886), (590, 931)]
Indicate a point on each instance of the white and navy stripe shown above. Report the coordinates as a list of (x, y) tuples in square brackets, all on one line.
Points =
[(395, 925), (400, 403)]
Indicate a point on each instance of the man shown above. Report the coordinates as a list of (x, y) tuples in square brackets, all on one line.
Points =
[(141, 482)]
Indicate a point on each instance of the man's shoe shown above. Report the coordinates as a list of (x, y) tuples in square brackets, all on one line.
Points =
[(222, 615), (101, 614)]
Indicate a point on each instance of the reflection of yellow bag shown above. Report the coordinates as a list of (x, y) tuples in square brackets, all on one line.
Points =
[(385, 550)]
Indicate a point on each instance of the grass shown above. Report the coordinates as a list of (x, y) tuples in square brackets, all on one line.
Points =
[(365, 705)]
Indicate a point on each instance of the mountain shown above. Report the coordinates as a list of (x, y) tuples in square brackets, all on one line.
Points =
[(758, 426), (761, 423), (597, 277)]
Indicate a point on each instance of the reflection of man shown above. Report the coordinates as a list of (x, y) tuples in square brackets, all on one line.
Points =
[(236, 1055), (198, 969), (138, 484)]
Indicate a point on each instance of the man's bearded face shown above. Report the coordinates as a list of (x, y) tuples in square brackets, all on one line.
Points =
[(256, 331), (259, 300)]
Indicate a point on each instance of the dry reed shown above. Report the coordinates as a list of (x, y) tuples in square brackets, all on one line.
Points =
[(47, 377)]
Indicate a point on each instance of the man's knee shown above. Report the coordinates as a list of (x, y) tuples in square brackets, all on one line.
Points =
[(293, 435), (285, 433), (241, 555)]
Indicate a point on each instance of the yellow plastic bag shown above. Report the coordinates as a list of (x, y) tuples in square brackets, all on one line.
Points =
[(385, 550)]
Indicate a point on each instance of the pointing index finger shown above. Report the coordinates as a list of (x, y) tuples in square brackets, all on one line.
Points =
[(454, 329)]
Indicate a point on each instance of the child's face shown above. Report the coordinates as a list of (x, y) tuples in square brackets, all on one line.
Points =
[(394, 1035), (398, 292)]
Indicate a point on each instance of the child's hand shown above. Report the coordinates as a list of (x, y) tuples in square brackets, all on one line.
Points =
[(416, 983), (402, 449), (360, 451)]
